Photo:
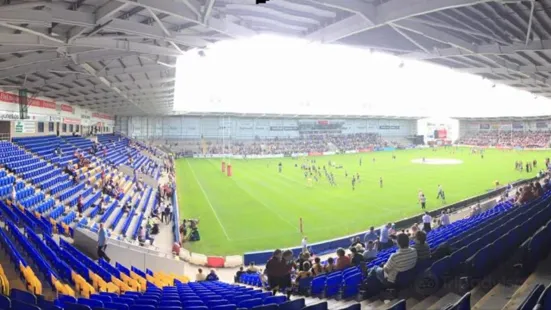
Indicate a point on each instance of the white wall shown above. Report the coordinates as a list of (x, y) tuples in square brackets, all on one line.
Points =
[(247, 128), (45, 110)]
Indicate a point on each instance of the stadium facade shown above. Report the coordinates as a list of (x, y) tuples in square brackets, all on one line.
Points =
[(248, 127)]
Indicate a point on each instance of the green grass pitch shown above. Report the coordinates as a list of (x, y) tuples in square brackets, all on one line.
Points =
[(259, 208)]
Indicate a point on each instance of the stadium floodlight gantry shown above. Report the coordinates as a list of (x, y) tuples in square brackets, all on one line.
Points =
[(118, 56)]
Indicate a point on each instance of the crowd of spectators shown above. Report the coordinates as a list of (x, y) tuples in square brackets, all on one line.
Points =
[(532, 139), (302, 144)]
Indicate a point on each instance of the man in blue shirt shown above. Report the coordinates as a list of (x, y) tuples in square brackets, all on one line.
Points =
[(102, 243), (371, 235)]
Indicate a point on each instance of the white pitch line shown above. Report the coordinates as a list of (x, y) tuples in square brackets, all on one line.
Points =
[(208, 200)]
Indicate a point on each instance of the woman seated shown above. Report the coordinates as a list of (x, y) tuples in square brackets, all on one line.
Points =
[(305, 273), (330, 266), (317, 268)]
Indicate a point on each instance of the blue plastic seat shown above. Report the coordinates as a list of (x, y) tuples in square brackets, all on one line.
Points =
[(103, 298), (23, 296), (170, 303), (216, 302), (224, 307), (71, 306), (5, 302), (146, 301), (275, 300), (250, 303), (142, 307), (318, 285), (267, 307), (62, 299), (21, 305), (92, 303), (115, 306), (530, 301)]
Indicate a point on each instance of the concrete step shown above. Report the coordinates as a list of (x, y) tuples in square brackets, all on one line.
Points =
[(426, 303), (447, 299), (497, 297), (387, 303), (542, 275)]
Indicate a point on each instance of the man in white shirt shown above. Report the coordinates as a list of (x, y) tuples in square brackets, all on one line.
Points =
[(13, 196), (403, 260), (427, 219), (304, 244), (445, 219)]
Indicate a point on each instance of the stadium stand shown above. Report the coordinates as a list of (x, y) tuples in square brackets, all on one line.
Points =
[(304, 144), (48, 265), (539, 139)]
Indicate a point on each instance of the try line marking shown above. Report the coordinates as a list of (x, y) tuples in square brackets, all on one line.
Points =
[(208, 200)]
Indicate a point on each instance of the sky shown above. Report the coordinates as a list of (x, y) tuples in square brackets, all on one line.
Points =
[(270, 74)]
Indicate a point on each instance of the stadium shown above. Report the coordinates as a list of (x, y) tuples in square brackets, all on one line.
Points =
[(277, 154)]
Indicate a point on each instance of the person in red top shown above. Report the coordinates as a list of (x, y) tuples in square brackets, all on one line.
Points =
[(343, 261)]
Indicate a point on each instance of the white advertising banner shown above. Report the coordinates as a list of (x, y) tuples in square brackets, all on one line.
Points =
[(25, 127)]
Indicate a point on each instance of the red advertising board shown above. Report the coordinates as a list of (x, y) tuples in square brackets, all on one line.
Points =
[(67, 108), (368, 150), (102, 116), (39, 103), (73, 121), (315, 154)]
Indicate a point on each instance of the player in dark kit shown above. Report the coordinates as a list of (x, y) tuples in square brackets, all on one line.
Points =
[(353, 183), (381, 182), (280, 167)]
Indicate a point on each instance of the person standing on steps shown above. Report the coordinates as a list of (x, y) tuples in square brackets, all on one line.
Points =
[(102, 243)]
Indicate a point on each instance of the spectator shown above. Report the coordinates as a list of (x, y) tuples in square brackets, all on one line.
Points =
[(165, 214), (102, 243), (305, 273), (276, 270), (423, 250), (355, 242), (370, 235), (356, 259), (200, 276), (304, 257), (176, 248), (370, 252), (330, 266), (80, 205), (141, 235), (426, 222), (286, 283), (304, 244), (445, 218), (317, 268), (403, 260), (384, 240), (238, 274), (212, 276), (343, 261), (252, 268), (538, 190)]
